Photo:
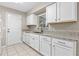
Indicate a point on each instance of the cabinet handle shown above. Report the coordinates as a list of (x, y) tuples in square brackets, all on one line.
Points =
[(53, 45), (33, 38), (61, 42)]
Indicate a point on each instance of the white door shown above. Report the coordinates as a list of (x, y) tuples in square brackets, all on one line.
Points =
[(67, 11), (13, 23), (51, 13)]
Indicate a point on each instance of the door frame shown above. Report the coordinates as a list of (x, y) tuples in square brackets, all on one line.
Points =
[(7, 26)]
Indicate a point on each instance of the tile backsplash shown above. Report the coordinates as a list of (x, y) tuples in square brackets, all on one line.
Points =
[(66, 26), (57, 30)]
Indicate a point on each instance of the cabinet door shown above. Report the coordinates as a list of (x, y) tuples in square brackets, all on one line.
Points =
[(24, 37), (45, 47), (37, 43), (32, 41), (67, 11), (32, 20), (51, 13), (62, 47), (62, 51), (27, 20), (27, 39)]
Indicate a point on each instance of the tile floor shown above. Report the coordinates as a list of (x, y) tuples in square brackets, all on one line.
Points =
[(19, 49)]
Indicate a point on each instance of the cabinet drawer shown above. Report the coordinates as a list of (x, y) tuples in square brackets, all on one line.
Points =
[(64, 42), (36, 36), (45, 38)]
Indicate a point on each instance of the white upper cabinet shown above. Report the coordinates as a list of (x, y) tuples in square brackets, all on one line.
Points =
[(61, 12), (51, 13), (32, 20), (66, 11)]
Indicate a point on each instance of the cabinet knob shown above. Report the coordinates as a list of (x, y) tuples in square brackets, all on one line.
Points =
[(33, 38), (53, 45)]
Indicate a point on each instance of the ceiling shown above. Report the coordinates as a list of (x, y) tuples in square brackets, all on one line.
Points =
[(21, 6)]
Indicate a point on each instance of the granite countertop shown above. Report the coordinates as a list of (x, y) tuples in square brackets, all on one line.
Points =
[(52, 36), (68, 31)]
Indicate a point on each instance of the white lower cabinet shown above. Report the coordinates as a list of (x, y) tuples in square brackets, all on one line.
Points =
[(32, 40), (63, 47), (24, 36), (48, 46), (45, 45), (62, 51), (36, 42), (27, 39)]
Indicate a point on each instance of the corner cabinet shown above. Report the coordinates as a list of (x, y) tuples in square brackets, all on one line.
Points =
[(32, 20), (61, 12)]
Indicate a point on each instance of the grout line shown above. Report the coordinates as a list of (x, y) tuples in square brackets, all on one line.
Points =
[(16, 51)]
